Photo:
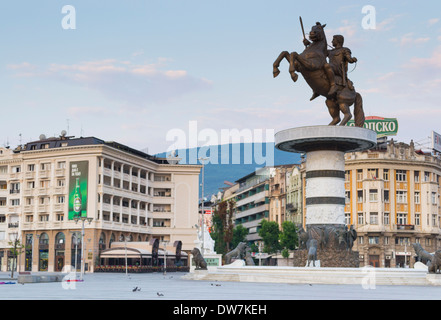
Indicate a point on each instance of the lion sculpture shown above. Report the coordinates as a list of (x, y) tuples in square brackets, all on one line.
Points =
[(422, 255), (199, 260), (237, 253), (435, 266)]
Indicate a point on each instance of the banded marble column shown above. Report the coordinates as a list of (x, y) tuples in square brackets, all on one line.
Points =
[(325, 188)]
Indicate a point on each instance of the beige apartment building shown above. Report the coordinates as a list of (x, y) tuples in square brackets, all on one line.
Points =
[(393, 199), (130, 196)]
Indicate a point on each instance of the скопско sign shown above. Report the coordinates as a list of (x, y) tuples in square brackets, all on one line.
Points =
[(382, 126)]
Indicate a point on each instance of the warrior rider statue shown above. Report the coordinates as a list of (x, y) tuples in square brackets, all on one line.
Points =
[(337, 69)]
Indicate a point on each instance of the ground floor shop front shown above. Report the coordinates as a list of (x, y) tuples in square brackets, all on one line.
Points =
[(54, 251)]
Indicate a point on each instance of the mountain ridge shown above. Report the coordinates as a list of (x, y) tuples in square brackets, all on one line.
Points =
[(230, 162)]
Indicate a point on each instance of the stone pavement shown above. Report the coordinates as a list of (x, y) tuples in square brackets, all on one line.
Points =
[(156, 287)]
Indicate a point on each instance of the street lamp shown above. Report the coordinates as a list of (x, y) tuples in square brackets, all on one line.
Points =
[(83, 219), (74, 234), (165, 256), (202, 206), (125, 249)]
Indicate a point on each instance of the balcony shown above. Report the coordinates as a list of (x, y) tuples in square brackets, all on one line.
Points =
[(405, 227), (13, 225)]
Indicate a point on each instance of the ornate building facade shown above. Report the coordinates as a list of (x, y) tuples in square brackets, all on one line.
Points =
[(131, 196)]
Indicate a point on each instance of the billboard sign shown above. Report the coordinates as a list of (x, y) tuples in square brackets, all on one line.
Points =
[(436, 141), (78, 179), (382, 126)]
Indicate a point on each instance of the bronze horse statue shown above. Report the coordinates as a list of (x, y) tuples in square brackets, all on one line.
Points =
[(312, 64)]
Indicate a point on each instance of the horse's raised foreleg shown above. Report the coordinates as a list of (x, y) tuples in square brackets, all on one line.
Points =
[(292, 66), (276, 64)]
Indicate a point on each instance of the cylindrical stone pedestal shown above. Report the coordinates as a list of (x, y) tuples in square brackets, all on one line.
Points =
[(325, 188), (325, 147)]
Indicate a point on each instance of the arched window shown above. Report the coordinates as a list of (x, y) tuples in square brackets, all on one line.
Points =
[(44, 239), (102, 241), (59, 238)]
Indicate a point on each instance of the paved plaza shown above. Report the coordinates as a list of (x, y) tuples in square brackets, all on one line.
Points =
[(157, 286)]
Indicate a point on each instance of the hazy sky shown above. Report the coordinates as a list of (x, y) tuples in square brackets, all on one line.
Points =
[(132, 71)]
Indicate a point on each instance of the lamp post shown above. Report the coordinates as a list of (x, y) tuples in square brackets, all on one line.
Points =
[(83, 219), (202, 206), (125, 250), (165, 256)]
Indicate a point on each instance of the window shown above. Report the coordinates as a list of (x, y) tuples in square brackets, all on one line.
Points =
[(402, 241), (386, 195), (417, 219), (16, 169), (373, 195), (44, 217), (60, 199), (386, 240), (372, 173), (433, 197), (347, 197), (61, 165), (402, 218), (386, 218), (374, 240), (31, 184), (44, 183), (45, 166), (417, 176), (15, 187), (386, 174), (60, 217), (417, 197), (373, 218), (31, 167), (434, 220), (360, 240), (426, 176), (360, 196), (61, 183), (360, 218), (401, 196), (347, 218), (359, 174), (15, 202), (347, 175), (401, 175)]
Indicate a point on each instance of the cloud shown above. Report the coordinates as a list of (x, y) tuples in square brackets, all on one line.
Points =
[(388, 23), (136, 84), (409, 40), (416, 83), (433, 21)]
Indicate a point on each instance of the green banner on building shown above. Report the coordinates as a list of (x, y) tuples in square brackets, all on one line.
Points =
[(78, 179), (382, 126)]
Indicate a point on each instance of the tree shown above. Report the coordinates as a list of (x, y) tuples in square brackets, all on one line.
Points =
[(269, 232), (222, 229), (16, 249), (288, 237), (239, 235)]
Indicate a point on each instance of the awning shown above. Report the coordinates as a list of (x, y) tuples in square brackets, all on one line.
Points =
[(123, 252)]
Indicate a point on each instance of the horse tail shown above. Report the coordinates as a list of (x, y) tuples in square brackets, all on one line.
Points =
[(358, 111)]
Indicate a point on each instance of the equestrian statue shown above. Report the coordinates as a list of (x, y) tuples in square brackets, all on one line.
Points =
[(328, 79)]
